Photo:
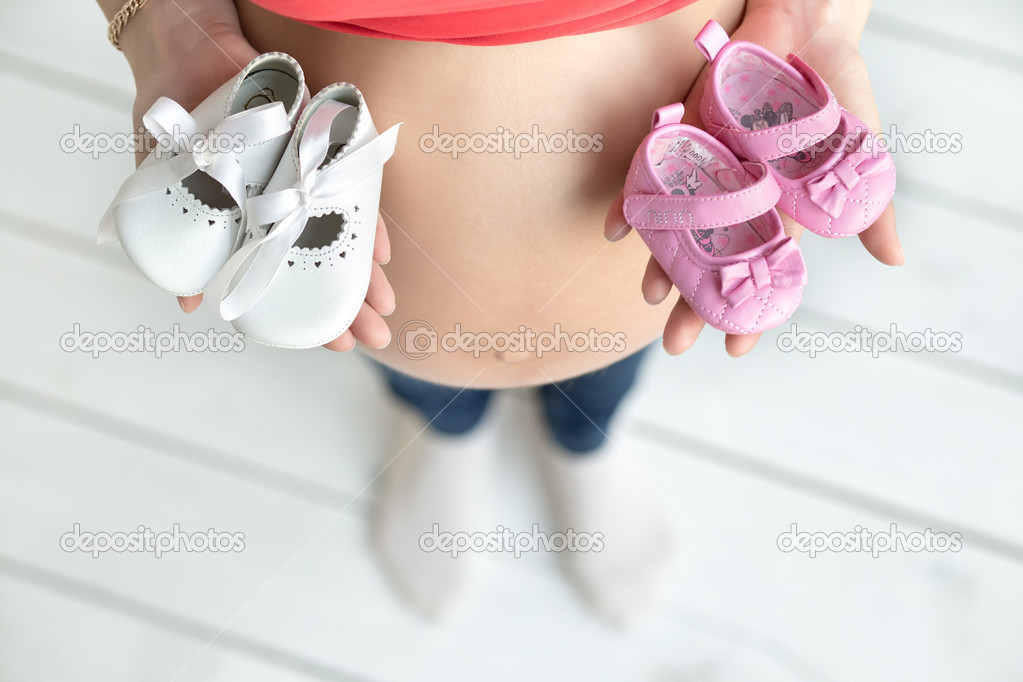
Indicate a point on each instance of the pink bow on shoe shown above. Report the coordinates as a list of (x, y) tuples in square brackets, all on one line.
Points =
[(782, 268), (830, 191)]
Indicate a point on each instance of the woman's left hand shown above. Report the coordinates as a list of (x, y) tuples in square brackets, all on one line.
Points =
[(824, 34)]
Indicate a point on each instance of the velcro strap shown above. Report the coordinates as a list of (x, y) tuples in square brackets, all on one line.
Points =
[(682, 211)]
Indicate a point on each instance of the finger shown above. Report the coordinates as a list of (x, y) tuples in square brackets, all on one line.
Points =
[(343, 343), (370, 328), (842, 67), (882, 241), (738, 345), (791, 227), (656, 283), (691, 116), (382, 245), (380, 295), (189, 303), (615, 225), (682, 328)]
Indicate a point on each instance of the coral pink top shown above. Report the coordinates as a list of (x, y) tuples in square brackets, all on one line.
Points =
[(472, 22)]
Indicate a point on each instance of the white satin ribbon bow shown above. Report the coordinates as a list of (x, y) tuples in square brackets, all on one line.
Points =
[(316, 190), (195, 150)]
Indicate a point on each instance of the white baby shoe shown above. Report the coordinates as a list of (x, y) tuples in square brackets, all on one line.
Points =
[(302, 273), (180, 216)]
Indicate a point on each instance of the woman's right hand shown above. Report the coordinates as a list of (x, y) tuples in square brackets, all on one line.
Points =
[(185, 50)]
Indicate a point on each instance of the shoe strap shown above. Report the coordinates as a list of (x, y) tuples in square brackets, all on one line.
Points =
[(288, 210), (711, 39), (683, 211), (787, 138), (196, 150), (668, 115)]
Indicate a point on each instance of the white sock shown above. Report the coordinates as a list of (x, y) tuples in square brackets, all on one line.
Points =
[(608, 492), (437, 479)]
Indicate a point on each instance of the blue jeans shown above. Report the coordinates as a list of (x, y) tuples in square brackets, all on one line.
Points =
[(577, 410)]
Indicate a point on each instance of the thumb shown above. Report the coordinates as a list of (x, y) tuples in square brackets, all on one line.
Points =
[(615, 225)]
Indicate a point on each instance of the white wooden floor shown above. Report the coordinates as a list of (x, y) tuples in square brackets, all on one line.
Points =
[(925, 441)]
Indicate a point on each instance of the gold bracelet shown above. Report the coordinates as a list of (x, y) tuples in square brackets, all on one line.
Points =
[(120, 19)]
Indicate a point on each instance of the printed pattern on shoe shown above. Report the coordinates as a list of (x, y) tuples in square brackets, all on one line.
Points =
[(835, 176), (709, 221)]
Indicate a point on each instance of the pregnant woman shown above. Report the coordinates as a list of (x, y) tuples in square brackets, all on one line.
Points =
[(498, 242)]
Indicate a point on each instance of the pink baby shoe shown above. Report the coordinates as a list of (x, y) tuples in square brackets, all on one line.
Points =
[(710, 222), (836, 177)]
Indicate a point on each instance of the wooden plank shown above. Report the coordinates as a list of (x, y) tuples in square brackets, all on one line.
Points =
[(893, 432), (305, 580), (290, 413), (54, 631), (915, 99), (741, 605), (946, 25), (232, 406), (949, 284)]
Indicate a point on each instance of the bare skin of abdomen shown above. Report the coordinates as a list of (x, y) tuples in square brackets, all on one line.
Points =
[(493, 243)]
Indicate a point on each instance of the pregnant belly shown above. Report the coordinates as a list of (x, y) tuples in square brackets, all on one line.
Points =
[(495, 198)]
